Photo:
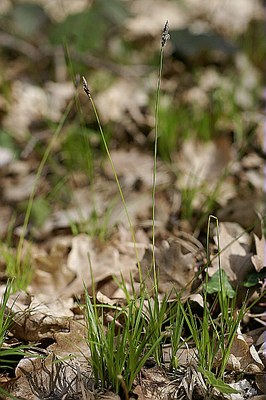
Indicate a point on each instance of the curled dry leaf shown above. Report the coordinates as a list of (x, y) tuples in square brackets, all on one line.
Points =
[(243, 357), (186, 355)]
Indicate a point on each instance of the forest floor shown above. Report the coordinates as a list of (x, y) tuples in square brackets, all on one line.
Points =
[(100, 257)]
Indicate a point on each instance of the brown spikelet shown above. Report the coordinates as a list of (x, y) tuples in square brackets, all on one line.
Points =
[(165, 34), (85, 86)]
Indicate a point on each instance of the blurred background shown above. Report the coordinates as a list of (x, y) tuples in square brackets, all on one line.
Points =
[(210, 114)]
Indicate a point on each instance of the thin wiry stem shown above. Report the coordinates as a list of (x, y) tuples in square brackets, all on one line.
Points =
[(88, 93), (165, 36)]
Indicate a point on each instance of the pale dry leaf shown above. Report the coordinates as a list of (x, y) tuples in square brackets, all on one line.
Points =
[(21, 389), (159, 381), (244, 357), (122, 98), (135, 167), (139, 392), (103, 260), (174, 267), (259, 260), (211, 79), (51, 273), (149, 17), (108, 396), (235, 256), (19, 189), (58, 10), (38, 320), (6, 156), (72, 342), (251, 160), (255, 178), (138, 207), (85, 202), (102, 299), (31, 103), (5, 6), (123, 241), (200, 162), (232, 17), (261, 341), (197, 298), (245, 389), (196, 96), (187, 356), (57, 95)]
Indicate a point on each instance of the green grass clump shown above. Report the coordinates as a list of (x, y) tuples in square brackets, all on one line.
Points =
[(5, 315), (121, 339), (20, 272), (8, 355), (119, 350)]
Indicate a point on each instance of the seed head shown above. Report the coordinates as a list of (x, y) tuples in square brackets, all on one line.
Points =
[(85, 86), (165, 34)]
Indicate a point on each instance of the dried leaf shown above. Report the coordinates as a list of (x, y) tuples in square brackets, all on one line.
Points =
[(103, 260), (150, 17), (34, 320), (200, 162), (175, 268), (235, 255), (244, 357), (122, 98), (135, 167), (258, 259), (30, 103)]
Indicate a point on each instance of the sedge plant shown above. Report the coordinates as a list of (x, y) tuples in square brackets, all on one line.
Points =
[(5, 324), (137, 330), (213, 335), (8, 354), (119, 350)]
